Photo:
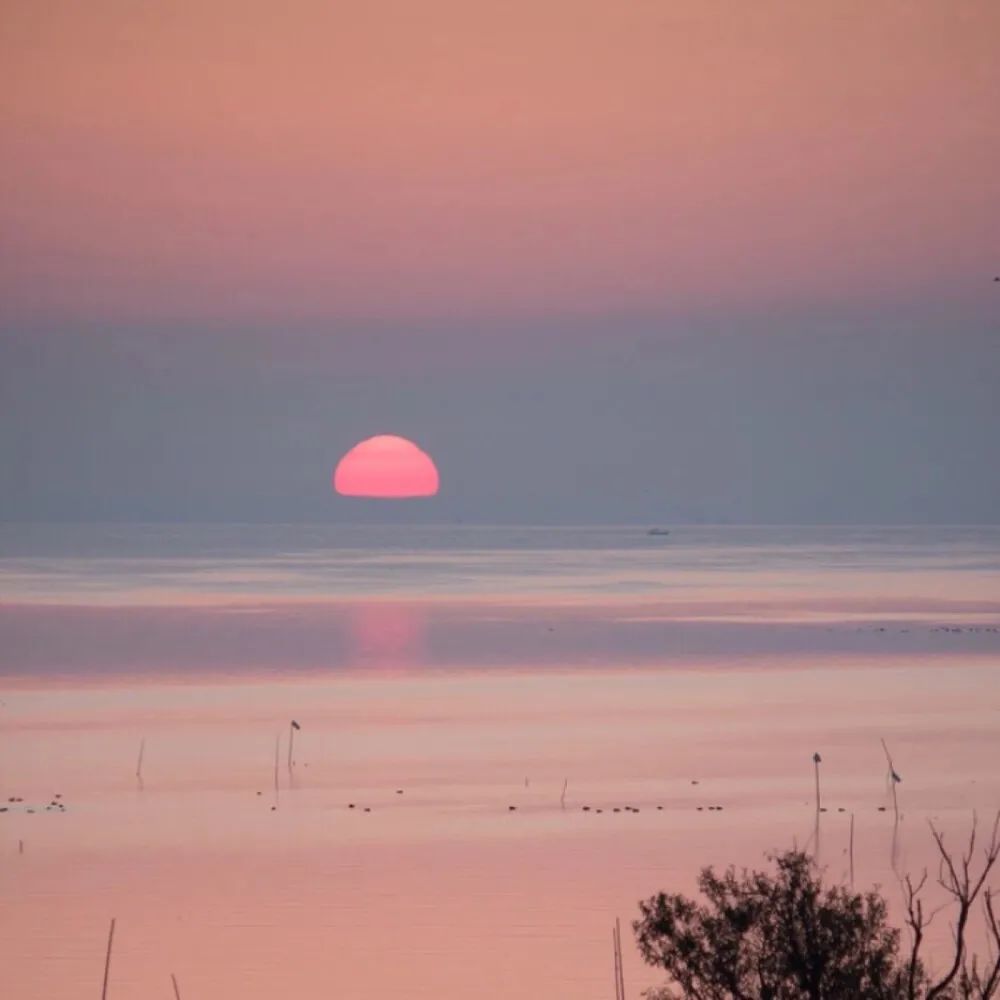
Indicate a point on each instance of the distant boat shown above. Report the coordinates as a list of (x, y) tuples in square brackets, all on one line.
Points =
[(658, 531)]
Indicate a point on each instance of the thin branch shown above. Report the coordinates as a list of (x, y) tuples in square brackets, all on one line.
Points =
[(993, 979), (917, 922), (959, 881)]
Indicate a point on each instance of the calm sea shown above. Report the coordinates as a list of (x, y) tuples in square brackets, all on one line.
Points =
[(145, 599), (507, 737)]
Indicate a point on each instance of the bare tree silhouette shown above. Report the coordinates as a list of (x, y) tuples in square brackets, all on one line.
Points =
[(786, 936)]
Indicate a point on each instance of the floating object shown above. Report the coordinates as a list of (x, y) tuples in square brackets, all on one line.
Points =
[(511, 808)]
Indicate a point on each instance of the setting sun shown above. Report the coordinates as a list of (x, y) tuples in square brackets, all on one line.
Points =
[(386, 466)]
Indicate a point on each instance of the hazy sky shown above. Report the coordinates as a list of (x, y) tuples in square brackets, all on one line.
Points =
[(605, 261)]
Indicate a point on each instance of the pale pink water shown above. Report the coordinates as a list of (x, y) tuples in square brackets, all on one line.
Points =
[(443, 891), (473, 669)]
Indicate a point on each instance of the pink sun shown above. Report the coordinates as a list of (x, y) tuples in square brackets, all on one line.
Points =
[(386, 466)]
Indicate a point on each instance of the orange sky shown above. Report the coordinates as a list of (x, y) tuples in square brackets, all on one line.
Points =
[(224, 160)]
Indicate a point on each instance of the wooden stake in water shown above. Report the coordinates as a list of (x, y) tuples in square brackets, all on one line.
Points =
[(562, 798), (291, 741), (107, 960), (177, 992), (618, 948), (892, 779), (614, 949), (142, 753), (850, 850), (817, 760)]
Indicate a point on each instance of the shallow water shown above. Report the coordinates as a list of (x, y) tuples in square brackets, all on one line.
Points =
[(511, 673)]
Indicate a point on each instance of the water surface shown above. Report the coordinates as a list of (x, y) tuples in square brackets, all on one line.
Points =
[(442, 676)]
